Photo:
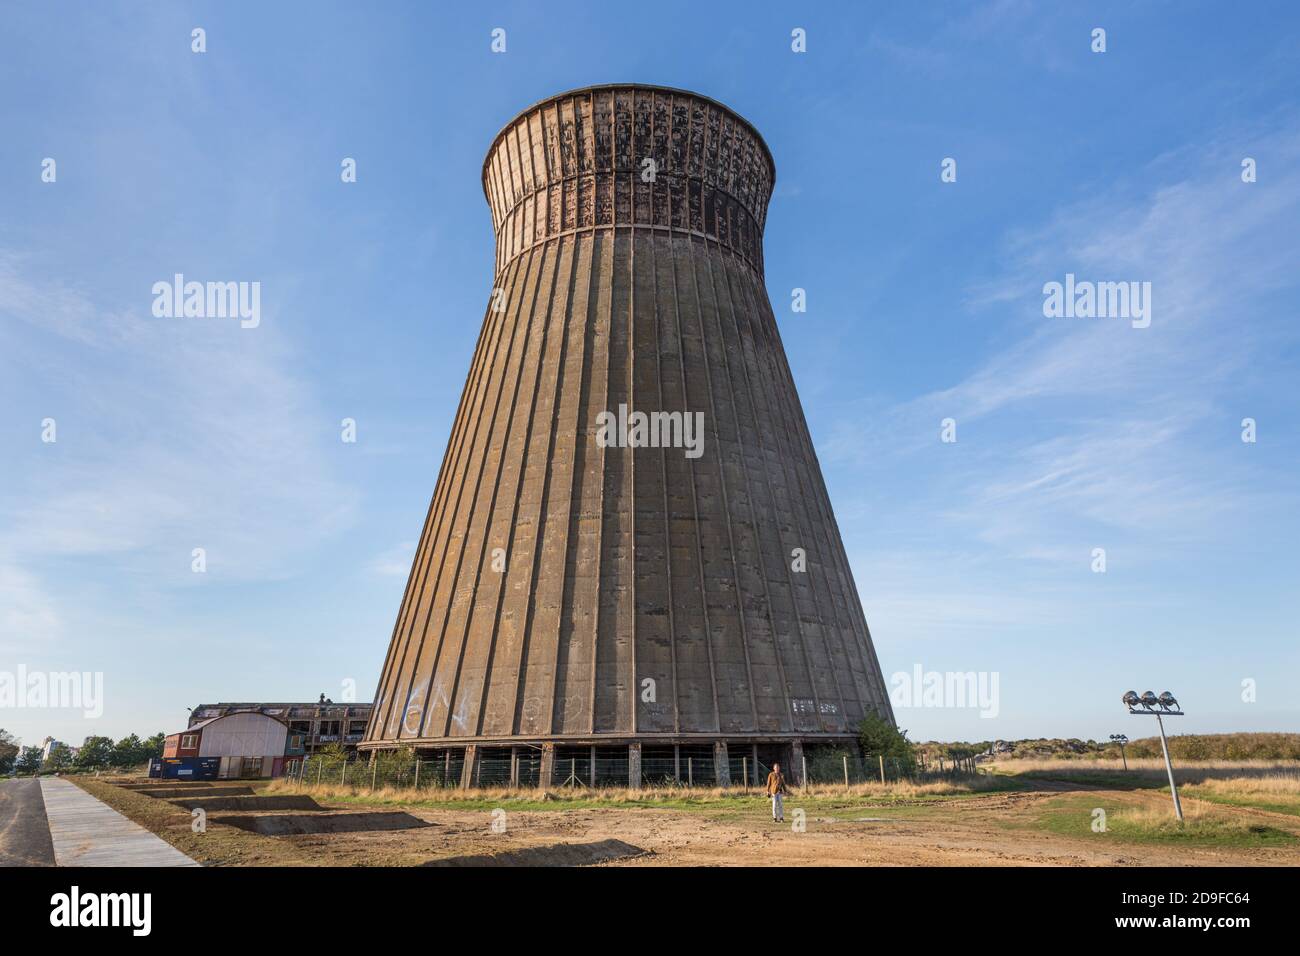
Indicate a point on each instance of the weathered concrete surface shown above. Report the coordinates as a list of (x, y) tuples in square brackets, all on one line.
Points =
[(563, 589), (86, 831)]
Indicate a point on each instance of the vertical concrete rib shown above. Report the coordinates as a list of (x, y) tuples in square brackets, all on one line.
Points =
[(590, 602), (456, 709), (401, 638), (757, 550), (667, 513), (433, 689), (874, 678), (583, 430), (403, 678), (789, 462), (712, 343), (525, 507)]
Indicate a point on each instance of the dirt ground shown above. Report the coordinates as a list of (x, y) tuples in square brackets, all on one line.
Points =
[(971, 830), (1000, 828)]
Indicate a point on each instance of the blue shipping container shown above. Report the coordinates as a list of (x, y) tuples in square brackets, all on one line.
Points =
[(191, 768)]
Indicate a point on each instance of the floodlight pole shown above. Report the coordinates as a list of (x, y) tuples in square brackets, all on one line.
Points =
[(1121, 740), (1166, 703), (1169, 768)]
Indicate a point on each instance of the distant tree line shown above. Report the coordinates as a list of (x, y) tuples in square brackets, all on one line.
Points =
[(96, 753), (9, 751), (1261, 746), (1266, 746)]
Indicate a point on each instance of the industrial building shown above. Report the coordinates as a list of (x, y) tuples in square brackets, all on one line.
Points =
[(50, 746), (630, 568), (243, 744), (320, 724)]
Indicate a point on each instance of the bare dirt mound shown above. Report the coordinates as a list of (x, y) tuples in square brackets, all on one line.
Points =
[(295, 824), (163, 792), (555, 854), (248, 803)]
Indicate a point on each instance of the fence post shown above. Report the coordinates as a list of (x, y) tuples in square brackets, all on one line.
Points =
[(374, 772), (343, 778), (804, 762), (690, 771), (417, 773), (882, 767), (744, 770), (846, 770), (320, 769)]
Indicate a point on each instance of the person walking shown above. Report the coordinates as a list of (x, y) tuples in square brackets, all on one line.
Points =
[(776, 789)]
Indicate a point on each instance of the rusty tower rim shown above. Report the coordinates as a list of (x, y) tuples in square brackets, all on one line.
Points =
[(633, 87)]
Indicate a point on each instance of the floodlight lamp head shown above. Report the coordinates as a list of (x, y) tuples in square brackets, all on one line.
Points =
[(1131, 699), (1150, 700), (1168, 701)]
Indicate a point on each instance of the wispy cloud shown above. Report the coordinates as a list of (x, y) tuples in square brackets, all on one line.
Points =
[(1087, 433), (28, 618), (173, 434), (1095, 418), (396, 561)]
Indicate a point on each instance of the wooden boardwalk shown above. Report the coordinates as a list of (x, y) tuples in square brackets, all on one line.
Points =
[(88, 832)]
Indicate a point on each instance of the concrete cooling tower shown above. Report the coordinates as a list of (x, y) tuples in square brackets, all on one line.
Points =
[(630, 569)]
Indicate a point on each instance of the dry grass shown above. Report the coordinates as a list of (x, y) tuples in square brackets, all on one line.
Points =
[(1276, 792), (1151, 771), (611, 796), (1277, 785), (1202, 823), (1161, 816)]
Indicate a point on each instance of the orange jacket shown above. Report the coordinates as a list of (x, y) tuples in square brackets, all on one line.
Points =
[(776, 783)]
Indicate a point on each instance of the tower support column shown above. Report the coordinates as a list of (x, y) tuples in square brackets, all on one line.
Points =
[(721, 763), (546, 775), (634, 766), (467, 772)]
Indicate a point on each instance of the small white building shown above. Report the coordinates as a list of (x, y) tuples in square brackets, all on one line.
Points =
[(248, 743)]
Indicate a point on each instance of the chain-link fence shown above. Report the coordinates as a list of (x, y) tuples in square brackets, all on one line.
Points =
[(588, 768), (849, 768), (364, 774)]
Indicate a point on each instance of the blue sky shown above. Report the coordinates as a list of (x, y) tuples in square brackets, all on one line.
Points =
[(924, 302)]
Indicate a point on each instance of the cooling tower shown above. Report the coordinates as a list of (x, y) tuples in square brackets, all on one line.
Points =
[(630, 553)]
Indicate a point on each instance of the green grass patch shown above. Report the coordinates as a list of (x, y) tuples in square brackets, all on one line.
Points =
[(1111, 780), (1073, 817), (1253, 802)]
